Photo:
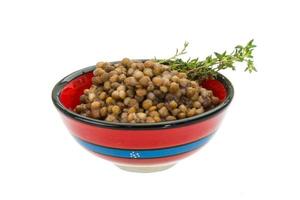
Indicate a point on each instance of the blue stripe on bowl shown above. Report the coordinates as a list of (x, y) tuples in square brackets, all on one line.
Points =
[(144, 154)]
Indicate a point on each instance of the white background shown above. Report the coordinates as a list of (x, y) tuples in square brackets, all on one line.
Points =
[(255, 154)]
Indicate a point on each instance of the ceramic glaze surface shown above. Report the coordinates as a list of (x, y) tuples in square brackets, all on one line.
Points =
[(139, 145)]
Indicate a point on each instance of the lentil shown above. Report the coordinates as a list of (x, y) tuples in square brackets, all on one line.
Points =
[(150, 92)]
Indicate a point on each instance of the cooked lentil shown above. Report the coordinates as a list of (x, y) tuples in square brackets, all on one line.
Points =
[(149, 92)]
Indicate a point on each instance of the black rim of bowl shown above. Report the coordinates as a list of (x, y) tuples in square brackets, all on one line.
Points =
[(117, 125)]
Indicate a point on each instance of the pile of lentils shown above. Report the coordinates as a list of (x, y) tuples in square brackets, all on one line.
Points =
[(143, 92)]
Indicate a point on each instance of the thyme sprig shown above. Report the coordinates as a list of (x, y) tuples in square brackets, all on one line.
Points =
[(209, 67)]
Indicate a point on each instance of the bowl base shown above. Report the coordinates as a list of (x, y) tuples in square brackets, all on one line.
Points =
[(145, 168)]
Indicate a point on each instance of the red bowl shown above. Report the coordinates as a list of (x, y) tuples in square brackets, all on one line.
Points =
[(140, 146)]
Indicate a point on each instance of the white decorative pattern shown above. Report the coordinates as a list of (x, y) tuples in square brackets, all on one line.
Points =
[(134, 154)]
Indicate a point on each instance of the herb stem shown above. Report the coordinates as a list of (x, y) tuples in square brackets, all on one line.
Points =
[(203, 69)]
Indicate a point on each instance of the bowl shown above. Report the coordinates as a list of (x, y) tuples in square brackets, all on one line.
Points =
[(140, 147)]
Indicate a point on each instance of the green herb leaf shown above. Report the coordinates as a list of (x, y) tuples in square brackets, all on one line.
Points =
[(202, 69)]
